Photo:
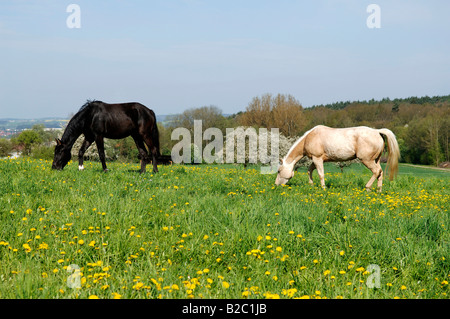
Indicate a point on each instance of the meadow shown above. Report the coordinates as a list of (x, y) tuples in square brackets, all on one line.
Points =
[(220, 231)]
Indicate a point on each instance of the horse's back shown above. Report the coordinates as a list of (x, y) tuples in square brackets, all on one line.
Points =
[(119, 120), (135, 111), (328, 133), (342, 143)]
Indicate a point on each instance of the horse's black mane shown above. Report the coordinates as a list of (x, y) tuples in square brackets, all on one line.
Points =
[(77, 121), (88, 104)]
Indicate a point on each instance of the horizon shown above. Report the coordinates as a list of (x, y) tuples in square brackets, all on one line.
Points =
[(182, 54), (231, 114)]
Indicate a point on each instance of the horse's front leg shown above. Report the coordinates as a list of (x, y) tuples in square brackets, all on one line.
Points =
[(83, 148), (318, 162), (101, 152)]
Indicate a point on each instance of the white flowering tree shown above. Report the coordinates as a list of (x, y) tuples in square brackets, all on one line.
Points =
[(91, 153), (248, 145)]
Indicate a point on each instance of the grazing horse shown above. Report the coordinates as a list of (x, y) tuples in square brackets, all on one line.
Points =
[(326, 144), (97, 120)]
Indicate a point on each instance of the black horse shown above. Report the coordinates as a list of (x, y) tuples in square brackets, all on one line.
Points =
[(97, 120)]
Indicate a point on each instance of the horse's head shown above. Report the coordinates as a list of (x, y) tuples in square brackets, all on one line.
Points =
[(285, 172), (62, 155)]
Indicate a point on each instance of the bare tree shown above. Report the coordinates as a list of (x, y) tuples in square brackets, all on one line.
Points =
[(280, 111)]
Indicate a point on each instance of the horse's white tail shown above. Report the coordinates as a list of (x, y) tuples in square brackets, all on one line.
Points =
[(394, 152)]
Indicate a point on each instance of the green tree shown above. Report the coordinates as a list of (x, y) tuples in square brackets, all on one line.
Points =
[(165, 141), (27, 139), (5, 147)]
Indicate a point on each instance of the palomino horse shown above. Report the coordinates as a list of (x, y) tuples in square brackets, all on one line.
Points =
[(326, 144), (97, 120)]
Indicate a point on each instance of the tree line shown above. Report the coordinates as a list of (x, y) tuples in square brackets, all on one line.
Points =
[(421, 125)]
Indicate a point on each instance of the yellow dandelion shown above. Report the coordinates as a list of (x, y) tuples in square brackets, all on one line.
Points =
[(27, 248), (116, 295)]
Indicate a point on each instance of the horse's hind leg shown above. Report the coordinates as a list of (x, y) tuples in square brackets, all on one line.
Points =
[(142, 151), (311, 168), (154, 151), (375, 167), (101, 152)]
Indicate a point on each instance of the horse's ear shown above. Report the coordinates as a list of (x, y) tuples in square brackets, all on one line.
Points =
[(58, 141)]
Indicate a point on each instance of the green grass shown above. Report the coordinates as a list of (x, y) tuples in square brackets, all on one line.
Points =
[(219, 231)]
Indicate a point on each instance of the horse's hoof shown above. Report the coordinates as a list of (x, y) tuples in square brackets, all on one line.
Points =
[(80, 167), (106, 170)]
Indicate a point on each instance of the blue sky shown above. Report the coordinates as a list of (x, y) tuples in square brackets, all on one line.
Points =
[(175, 55)]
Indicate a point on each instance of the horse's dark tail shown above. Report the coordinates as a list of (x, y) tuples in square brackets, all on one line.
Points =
[(155, 139)]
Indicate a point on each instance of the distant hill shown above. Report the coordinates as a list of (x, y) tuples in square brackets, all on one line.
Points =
[(15, 124), (50, 122), (410, 100), (165, 119)]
